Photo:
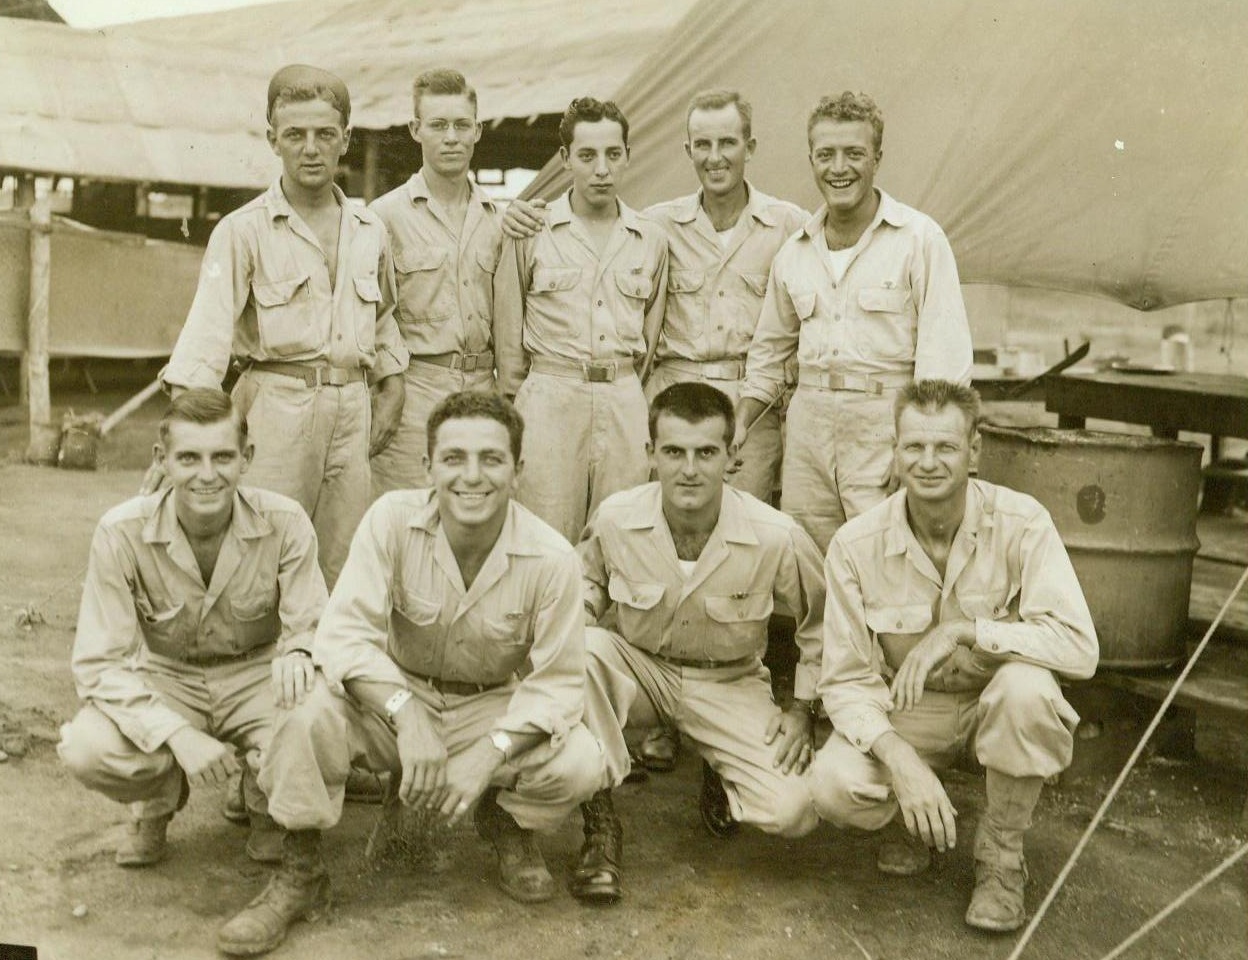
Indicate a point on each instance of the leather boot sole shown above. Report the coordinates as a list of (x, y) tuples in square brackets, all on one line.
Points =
[(321, 900)]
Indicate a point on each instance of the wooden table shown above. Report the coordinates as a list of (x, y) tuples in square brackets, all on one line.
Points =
[(1212, 403)]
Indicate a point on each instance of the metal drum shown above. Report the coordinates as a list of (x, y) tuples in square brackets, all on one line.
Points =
[(1125, 506)]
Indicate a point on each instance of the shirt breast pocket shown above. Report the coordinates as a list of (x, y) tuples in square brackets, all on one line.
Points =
[(898, 628), (166, 630), (422, 282), (256, 620), (554, 281), (803, 304), (505, 648), (990, 605), (635, 603), (740, 624), (889, 320), (285, 316), (416, 634)]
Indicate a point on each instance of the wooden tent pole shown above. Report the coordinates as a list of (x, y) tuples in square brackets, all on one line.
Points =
[(44, 438)]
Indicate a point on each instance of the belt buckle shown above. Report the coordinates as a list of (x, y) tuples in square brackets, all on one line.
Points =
[(873, 388), (468, 361), (599, 372)]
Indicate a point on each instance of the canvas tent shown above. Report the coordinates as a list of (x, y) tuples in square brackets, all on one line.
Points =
[(1094, 146)]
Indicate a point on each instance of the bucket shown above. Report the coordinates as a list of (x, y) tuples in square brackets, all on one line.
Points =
[(1125, 507)]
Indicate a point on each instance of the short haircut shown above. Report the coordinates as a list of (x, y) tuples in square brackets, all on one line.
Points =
[(932, 396), (589, 110), (848, 108), (477, 405), (299, 82), (693, 402), (203, 405), (717, 100), (442, 83)]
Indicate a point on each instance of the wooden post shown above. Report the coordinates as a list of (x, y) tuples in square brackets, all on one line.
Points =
[(45, 439), (372, 158)]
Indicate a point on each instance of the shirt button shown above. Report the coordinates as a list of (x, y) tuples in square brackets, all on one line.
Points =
[(837, 317), (836, 353), (684, 623), (465, 283), (600, 303), (721, 293), (602, 336), (339, 336), (898, 624), (550, 285)]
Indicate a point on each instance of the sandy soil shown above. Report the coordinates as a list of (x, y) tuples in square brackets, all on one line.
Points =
[(687, 894)]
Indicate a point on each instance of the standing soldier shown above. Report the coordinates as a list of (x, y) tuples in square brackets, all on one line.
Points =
[(446, 242), (295, 285), (867, 296), (579, 307)]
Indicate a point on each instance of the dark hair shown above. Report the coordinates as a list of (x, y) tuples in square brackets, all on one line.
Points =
[(299, 82), (441, 82), (480, 405), (589, 110), (848, 108), (717, 100), (934, 395), (204, 405), (693, 402)]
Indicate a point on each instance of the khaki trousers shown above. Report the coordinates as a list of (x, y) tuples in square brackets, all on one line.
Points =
[(582, 442), (312, 446), (723, 712), (760, 454), (400, 466), (1019, 725), (232, 702), (837, 458), (318, 741)]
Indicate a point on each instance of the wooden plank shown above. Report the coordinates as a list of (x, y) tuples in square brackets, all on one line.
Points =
[(1218, 685), (1216, 404)]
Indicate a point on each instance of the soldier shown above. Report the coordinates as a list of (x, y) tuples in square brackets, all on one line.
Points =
[(866, 297), (197, 617), (952, 609), (451, 655), (297, 286), (694, 569), (446, 241), (579, 307)]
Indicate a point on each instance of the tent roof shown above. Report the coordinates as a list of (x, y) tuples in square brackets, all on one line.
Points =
[(524, 57), (78, 103), (1095, 146)]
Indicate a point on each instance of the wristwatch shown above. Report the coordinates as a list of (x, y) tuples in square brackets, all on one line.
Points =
[(502, 742), (396, 701)]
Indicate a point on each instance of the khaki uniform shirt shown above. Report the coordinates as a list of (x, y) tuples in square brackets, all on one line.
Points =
[(144, 594), (265, 294), (715, 294), (756, 558), (445, 277), (557, 297), (898, 309), (1007, 571), (400, 608)]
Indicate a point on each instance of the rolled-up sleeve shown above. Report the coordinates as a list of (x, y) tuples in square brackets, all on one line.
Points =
[(775, 341), (202, 354), (301, 586), (1055, 628), (943, 346), (854, 693), (353, 636), (800, 589), (107, 639), (551, 696)]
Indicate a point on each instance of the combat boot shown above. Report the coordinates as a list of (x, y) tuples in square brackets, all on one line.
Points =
[(299, 890), (713, 805), (597, 875), (522, 872), (1000, 870), (144, 842)]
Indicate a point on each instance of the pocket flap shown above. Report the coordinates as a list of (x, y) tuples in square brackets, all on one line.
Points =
[(882, 299), (635, 593), (739, 608), (547, 279), (487, 260), (368, 289), (803, 304), (410, 261), (158, 616), (685, 281), (633, 284), (756, 282), (277, 292), (418, 610), (987, 606), (910, 618), (254, 607)]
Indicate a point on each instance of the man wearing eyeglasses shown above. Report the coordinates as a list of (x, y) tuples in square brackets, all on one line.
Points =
[(446, 238)]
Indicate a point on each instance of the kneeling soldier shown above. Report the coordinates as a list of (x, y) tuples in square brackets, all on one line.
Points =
[(951, 607), (452, 655), (197, 615)]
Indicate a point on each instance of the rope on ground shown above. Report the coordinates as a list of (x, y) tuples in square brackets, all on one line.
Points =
[(32, 614), (1126, 770), (1187, 894)]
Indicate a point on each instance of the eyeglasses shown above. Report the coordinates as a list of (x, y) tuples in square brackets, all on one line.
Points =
[(441, 127)]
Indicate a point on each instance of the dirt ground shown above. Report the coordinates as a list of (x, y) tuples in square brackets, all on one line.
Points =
[(687, 894)]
